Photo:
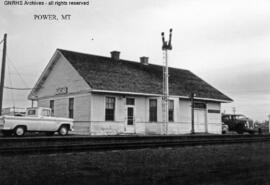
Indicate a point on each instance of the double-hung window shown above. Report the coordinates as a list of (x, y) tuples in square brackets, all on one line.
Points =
[(171, 110), (110, 108), (153, 110), (71, 107), (52, 106)]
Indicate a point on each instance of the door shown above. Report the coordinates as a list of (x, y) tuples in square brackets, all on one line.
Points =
[(200, 120), (130, 127), (46, 122)]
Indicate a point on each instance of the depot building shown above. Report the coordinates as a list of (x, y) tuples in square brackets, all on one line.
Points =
[(111, 96)]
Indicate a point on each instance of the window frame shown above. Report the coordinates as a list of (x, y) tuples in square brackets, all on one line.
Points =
[(130, 122), (32, 112), (171, 111), (71, 108), (52, 107), (45, 112), (153, 113), (129, 98), (107, 110)]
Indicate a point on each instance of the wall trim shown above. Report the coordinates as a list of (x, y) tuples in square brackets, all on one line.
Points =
[(55, 97), (158, 95)]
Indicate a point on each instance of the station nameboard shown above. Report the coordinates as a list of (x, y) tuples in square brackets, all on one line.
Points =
[(61, 90), (213, 111)]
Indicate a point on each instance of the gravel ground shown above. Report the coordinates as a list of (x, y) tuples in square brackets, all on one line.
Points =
[(237, 164)]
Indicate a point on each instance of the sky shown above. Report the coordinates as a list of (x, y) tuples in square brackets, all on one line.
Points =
[(225, 42)]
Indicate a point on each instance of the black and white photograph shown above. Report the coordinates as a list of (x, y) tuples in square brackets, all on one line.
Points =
[(133, 92)]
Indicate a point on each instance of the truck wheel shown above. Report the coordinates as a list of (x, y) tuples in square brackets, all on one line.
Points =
[(63, 131), (19, 131)]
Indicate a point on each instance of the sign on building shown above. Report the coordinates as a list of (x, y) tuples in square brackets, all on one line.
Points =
[(61, 90)]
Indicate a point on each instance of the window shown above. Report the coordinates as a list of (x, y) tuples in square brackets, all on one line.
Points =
[(213, 111), (109, 109), (152, 110), (225, 118), (130, 115), (71, 107), (31, 112), (171, 108), (52, 106), (199, 105), (242, 117), (45, 112), (130, 101)]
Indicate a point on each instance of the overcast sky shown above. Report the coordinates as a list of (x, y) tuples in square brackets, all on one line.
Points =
[(225, 42)]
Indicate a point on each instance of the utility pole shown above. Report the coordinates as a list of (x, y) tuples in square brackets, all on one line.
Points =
[(234, 110), (192, 95), (3, 72), (165, 47), (269, 123)]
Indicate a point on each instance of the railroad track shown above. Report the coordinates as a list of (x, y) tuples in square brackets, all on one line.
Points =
[(37, 145)]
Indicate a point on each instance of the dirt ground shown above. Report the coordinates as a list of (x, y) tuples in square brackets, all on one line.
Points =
[(238, 164)]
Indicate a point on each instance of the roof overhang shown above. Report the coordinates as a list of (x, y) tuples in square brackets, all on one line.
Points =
[(207, 99), (44, 75), (123, 92), (157, 95)]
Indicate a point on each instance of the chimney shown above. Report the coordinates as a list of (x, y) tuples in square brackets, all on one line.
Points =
[(115, 55), (144, 60)]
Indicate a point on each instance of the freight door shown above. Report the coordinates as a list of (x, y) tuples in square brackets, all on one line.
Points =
[(200, 121)]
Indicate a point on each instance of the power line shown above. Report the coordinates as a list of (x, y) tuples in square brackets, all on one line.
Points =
[(16, 88), (17, 72), (25, 84)]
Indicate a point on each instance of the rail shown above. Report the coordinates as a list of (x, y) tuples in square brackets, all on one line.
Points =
[(37, 145)]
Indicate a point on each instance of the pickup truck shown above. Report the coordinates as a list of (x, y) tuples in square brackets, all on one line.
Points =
[(37, 119), (238, 123)]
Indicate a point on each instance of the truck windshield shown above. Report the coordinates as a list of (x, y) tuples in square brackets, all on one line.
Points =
[(241, 117)]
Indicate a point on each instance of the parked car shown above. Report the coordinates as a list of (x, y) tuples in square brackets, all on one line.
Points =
[(37, 119), (238, 123), (225, 128)]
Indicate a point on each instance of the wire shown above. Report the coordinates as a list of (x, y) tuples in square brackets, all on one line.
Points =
[(10, 81), (15, 88), (12, 64), (1, 41)]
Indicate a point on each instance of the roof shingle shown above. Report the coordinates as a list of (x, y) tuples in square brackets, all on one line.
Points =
[(104, 73)]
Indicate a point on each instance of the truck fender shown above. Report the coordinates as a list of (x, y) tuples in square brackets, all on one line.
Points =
[(64, 124), (20, 126)]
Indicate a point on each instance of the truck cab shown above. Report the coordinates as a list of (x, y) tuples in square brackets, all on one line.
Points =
[(37, 119), (38, 112)]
